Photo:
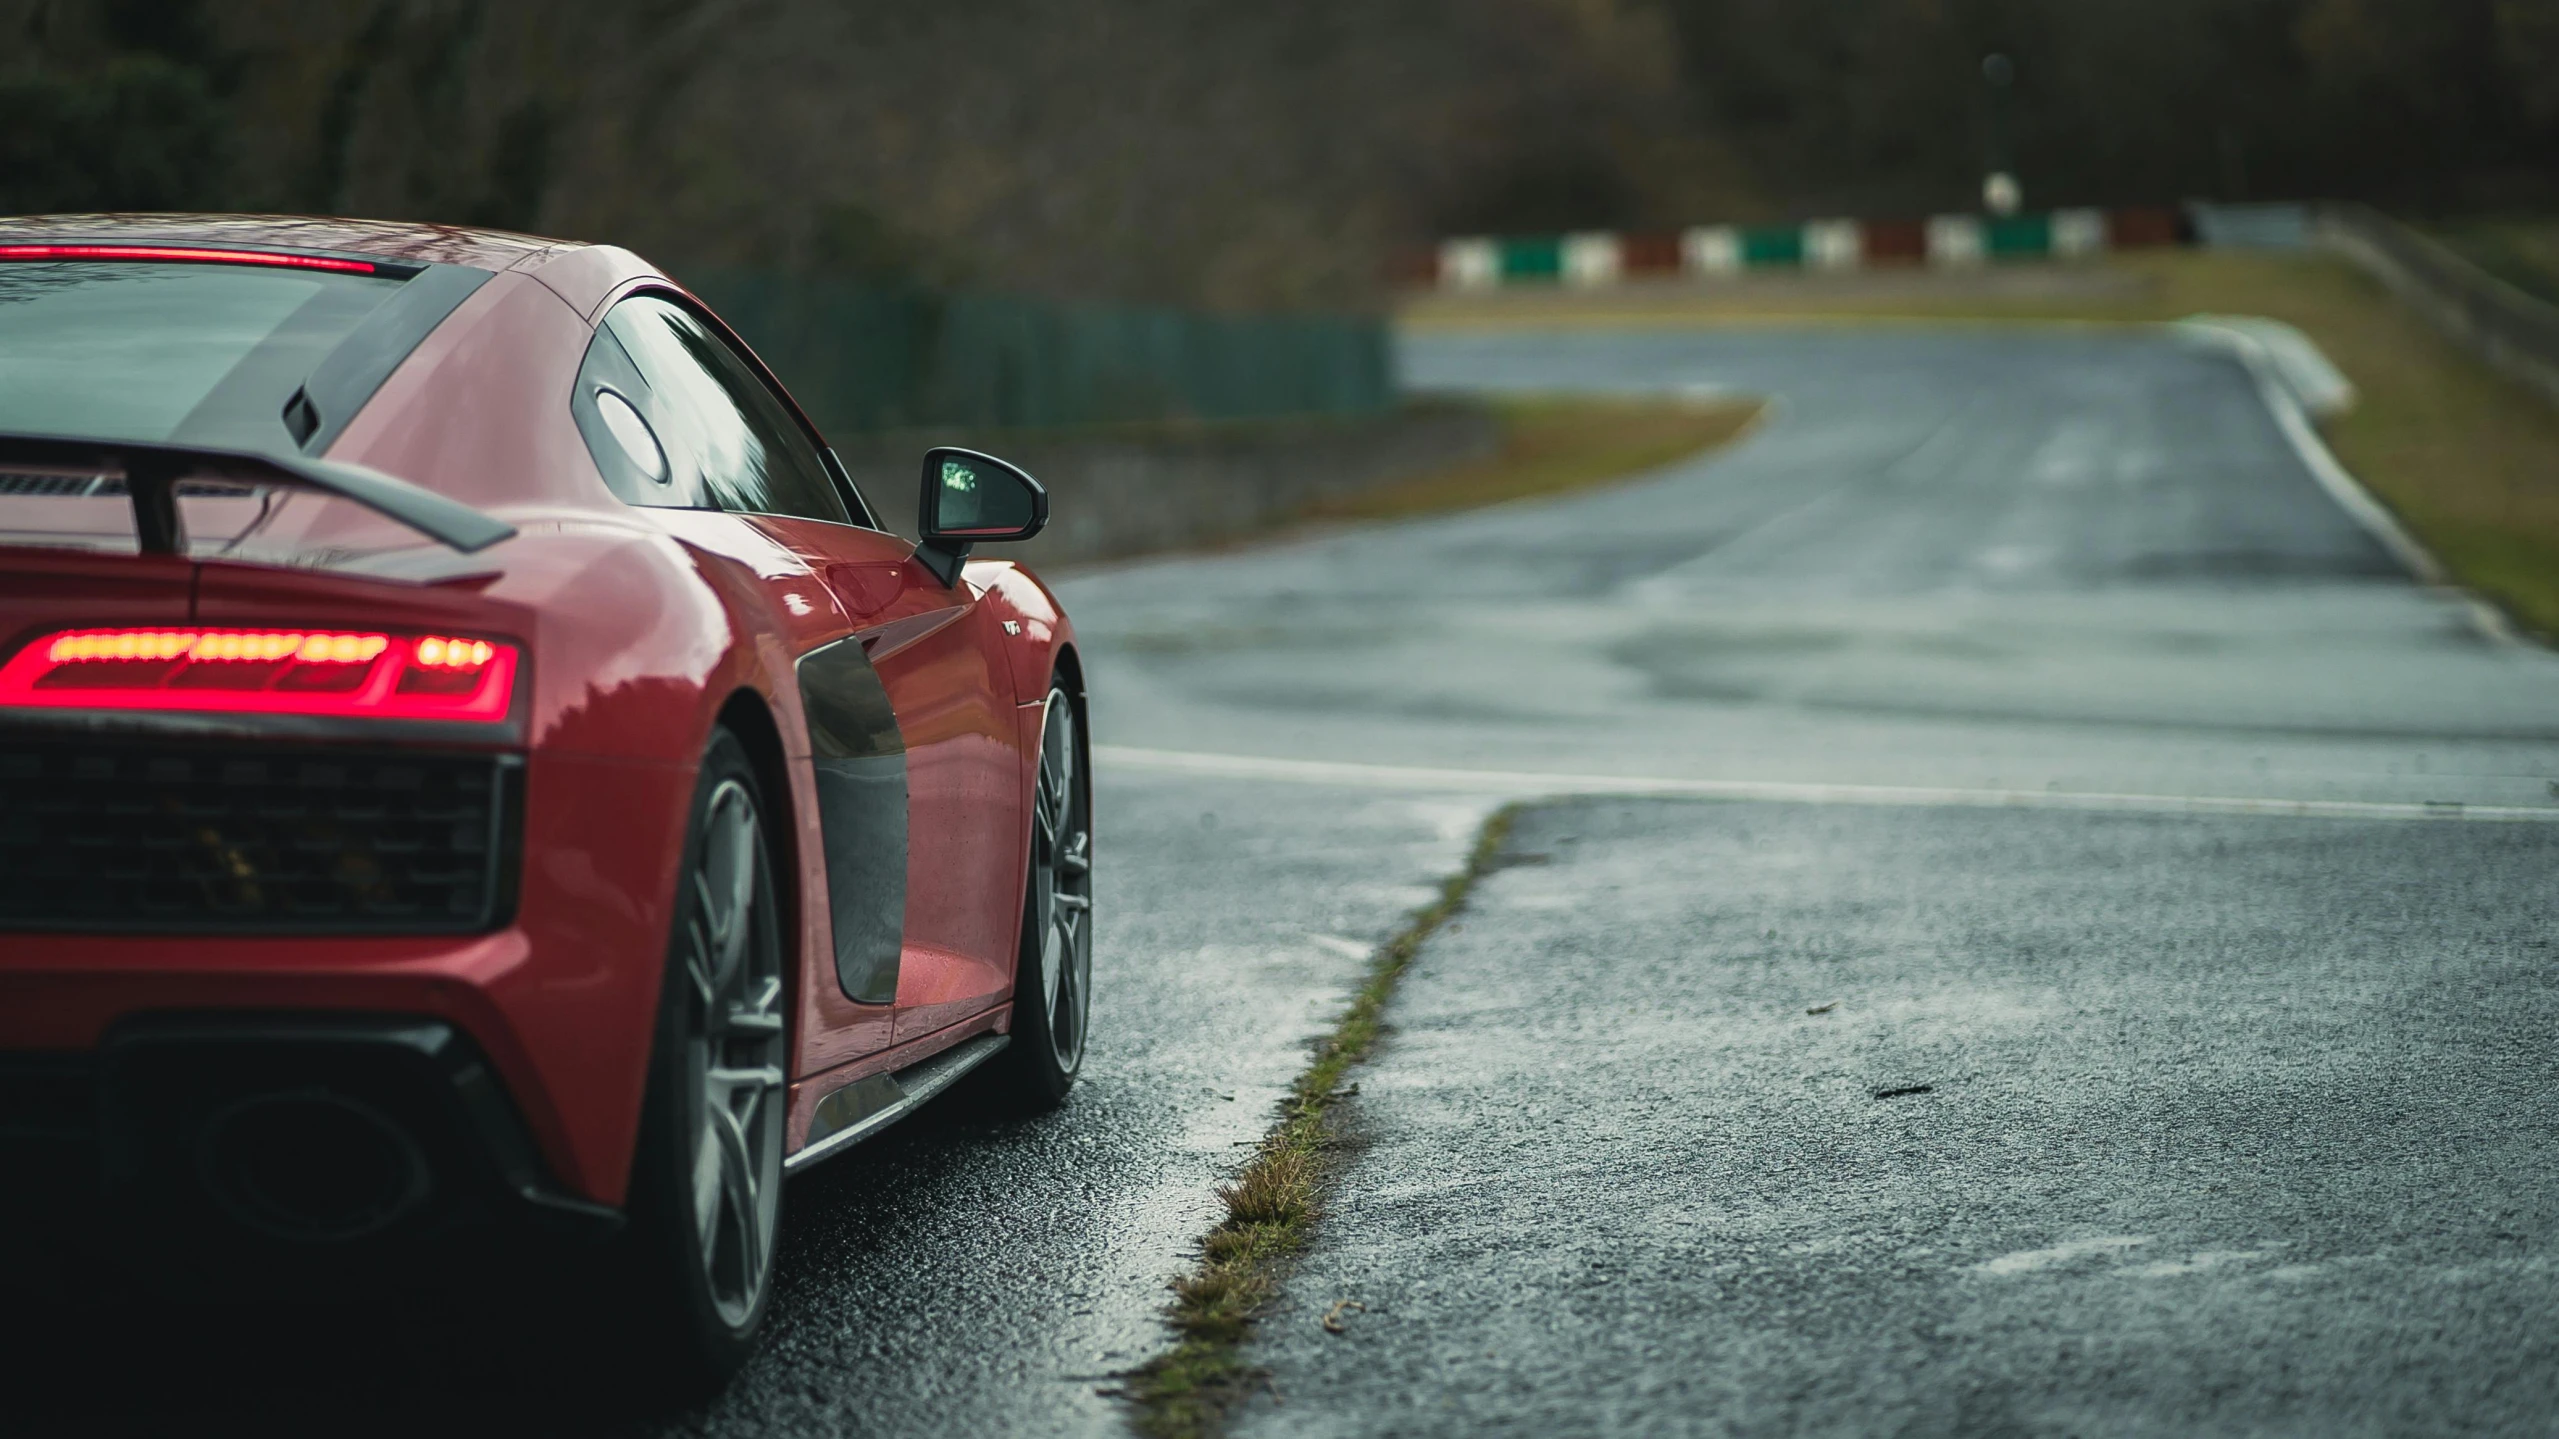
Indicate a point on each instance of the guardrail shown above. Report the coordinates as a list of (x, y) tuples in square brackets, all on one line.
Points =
[(2512, 331)]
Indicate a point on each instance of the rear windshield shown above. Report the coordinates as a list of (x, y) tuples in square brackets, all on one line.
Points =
[(189, 353)]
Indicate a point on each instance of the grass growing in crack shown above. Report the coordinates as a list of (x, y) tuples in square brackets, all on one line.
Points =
[(1273, 1202)]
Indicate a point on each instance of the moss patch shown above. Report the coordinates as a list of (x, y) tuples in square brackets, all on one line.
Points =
[(1273, 1204)]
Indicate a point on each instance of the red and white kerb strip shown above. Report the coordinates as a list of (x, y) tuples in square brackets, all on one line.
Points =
[(189, 254), (265, 671)]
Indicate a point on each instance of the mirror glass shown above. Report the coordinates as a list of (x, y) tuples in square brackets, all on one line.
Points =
[(972, 495)]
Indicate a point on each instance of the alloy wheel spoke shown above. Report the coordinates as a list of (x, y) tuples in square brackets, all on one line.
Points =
[(1048, 808), (735, 913), (728, 1081), (706, 1186), (738, 1195), (758, 1017), (1052, 955), (736, 1050), (697, 965)]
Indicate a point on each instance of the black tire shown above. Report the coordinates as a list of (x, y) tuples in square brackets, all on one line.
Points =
[(1053, 972), (706, 1186)]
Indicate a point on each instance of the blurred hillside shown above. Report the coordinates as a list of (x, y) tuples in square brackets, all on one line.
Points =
[(1881, 106), (1193, 151), (1243, 157)]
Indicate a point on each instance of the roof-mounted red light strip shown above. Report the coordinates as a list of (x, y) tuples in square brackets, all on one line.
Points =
[(265, 671), (188, 254)]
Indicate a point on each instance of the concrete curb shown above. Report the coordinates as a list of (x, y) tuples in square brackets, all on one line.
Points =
[(2297, 381)]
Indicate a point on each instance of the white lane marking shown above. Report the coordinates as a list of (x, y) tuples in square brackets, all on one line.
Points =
[(2029, 1260), (1531, 783)]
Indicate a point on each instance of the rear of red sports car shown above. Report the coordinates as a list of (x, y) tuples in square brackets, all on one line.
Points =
[(339, 815)]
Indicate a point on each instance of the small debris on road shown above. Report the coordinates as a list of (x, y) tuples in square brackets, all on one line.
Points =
[(1905, 1089), (1333, 1316), (1825, 1007)]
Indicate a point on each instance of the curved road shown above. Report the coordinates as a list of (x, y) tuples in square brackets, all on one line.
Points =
[(2198, 1120)]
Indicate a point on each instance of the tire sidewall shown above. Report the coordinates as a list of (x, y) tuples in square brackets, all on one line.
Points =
[(1038, 1078), (699, 1348)]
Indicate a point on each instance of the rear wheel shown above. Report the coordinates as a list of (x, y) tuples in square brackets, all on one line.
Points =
[(1053, 977), (707, 1186)]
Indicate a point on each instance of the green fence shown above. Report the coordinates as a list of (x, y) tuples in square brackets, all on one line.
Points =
[(884, 358)]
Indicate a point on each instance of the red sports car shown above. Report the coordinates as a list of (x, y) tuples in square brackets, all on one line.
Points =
[(472, 765)]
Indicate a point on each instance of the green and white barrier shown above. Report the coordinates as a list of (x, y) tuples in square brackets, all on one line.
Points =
[(1597, 259)]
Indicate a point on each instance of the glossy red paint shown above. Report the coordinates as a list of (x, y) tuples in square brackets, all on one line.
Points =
[(634, 631)]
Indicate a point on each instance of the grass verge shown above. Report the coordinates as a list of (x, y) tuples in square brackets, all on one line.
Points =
[(2523, 253), (1551, 444), (2468, 459), (1272, 1204)]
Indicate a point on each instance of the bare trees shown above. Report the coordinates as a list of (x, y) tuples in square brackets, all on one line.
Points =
[(1233, 155)]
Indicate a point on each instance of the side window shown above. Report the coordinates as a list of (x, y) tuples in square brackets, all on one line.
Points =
[(676, 417)]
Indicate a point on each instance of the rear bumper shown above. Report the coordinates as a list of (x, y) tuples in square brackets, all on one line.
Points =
[(560, 1005), (294, 1148)]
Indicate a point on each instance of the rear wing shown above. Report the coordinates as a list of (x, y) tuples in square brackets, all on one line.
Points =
[(150, 473)]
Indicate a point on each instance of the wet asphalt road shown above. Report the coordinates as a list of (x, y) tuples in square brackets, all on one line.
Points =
[(2220, 1126), (2232, 1124), (2024, 559), (966, 1273), (1606, 1147)]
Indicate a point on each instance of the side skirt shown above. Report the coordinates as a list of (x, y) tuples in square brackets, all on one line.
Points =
[(867, 1106)]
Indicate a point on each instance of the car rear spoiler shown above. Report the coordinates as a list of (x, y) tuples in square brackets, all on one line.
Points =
[(150, 474)]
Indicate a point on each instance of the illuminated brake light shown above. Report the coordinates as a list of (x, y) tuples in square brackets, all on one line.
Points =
[(441, 653), (189, 254), (265, 671)]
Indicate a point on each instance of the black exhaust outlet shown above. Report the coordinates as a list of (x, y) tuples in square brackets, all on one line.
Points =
[(298, 1155), (311, 1166)]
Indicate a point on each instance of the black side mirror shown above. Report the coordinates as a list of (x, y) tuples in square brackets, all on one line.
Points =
[(971, 498)]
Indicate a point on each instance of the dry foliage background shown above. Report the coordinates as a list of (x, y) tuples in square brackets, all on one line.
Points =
[(1234, 155), (1237, 156)]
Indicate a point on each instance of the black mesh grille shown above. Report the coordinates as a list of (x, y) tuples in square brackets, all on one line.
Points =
[(134, 835)]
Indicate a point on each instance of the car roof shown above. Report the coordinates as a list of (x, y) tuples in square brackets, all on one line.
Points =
[(383, 239), (584, 274)]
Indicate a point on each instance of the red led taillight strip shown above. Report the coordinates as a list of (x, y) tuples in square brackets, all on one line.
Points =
[(189, 254), (265, 671)]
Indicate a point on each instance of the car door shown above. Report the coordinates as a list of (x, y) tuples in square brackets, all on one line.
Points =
[(910, 721), (967, 823)]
